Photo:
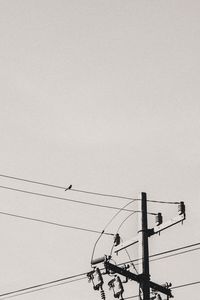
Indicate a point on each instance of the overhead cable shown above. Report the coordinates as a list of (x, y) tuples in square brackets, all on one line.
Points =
[(42, 286), (184, 285), (64, 188), (39, 289), (168, 251), (111, 251), (62, 198), (74, 278), (106, 226), (175, 254), (51, 223), (83, 191)]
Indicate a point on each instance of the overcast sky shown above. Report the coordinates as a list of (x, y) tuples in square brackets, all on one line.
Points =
[(103, 95)]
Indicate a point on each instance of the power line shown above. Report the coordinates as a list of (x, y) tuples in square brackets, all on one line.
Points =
[(32, 181), (41, 286), (71, 200), (109, 222), (103, 232), (63, 188), (40, 289), (133, 265), (172, 288), (168, 251), (175, 254), (176, 249), (84, 191), (119, 227), (74, 278), (52, 223), (63, 199), (186, 284), (111, 251)]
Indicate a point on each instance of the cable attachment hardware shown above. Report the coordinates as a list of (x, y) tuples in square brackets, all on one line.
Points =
[(125, 267), (116, 285), (156, 294), (158, 219), (181, 208), (96, 278)]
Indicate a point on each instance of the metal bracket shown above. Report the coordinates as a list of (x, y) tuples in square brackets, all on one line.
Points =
[(167, 224), (126, 244)]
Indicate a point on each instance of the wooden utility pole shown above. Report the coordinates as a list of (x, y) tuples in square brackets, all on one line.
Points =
[(143, 278), (143, 232)]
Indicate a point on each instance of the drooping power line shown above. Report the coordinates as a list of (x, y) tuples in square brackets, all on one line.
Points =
[(71, 200), (169, 251), (84, 191), (37, 288), (42, 286), (64, 187), (184, 285), (175, 254), (109, 222), (78, 277), (62, 198), (40, 289), (52, 223)]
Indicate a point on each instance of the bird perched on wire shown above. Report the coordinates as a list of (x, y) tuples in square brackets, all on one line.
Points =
[(69, 187)]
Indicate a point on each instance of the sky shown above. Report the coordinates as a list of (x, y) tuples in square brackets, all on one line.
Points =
[(103, 95)]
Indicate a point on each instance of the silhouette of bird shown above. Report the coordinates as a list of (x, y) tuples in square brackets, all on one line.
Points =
[(69, 187)]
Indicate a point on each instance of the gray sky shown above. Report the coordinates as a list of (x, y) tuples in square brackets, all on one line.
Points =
[(103, 95)]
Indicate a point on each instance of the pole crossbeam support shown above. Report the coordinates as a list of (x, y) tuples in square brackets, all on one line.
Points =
[(126, 244), (152, 231), (138, 278), (167, 224), (161, 289), (123, 272)]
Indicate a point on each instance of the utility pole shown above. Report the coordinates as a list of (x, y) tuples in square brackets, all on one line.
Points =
[(143, 238), (143, 278)]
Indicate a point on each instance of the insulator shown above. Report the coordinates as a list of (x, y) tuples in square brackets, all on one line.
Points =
[(98, 279), (111, 283), (90, 276), (181, 208), (167, 284), (103, 295), (116, 239), (158, 219), (119, 289)]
